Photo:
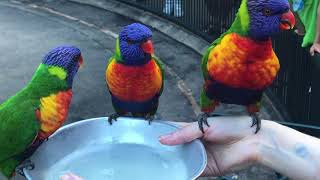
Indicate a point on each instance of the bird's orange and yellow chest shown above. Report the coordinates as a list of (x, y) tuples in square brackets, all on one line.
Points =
[(53, 112), (241, 62), (134, 83)]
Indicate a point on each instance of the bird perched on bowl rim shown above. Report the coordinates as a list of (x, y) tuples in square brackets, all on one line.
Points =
[(134, 75), (39, 109)]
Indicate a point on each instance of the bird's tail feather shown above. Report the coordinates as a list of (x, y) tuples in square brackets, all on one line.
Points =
[(7, 168)]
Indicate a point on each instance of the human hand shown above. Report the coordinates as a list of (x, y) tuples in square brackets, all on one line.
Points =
[(70, 176), (229, 141), (315, 48)]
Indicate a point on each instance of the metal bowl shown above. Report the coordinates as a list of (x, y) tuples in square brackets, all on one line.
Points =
[(129, 149)]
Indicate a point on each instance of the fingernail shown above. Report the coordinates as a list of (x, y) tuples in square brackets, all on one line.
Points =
[(164, 137)]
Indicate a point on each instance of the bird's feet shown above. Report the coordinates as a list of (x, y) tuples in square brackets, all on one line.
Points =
[(113, 117), (256, 121), (149, 118), (203, 119), (27, 164)]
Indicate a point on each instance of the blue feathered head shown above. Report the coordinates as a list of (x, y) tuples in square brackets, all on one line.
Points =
[(135, 44), (66, 57), (262, 18)]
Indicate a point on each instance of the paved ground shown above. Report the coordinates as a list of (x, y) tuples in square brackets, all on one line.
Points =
[(30, 28), (28, 32)]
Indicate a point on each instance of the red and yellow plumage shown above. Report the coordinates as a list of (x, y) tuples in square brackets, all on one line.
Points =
[(134, 83), (239, 65), (53, 112), (241, 62)]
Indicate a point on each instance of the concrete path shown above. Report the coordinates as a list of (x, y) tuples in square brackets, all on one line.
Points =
[(29, 29)]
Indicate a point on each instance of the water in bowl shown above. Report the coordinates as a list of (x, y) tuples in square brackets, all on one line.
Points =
[(121, 162)]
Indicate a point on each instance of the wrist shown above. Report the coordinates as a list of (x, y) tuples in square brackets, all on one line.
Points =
[(286, 151), (265, 143)]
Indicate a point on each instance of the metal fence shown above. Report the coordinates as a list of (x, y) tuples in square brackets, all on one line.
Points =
[(291, 92)]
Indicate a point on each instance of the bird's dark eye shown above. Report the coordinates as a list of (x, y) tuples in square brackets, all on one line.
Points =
[(76, 58), (287, 9), (129, 42), (267, 12)]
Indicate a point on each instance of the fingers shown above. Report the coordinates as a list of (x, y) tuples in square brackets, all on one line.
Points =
[(222, 129), (184, 135), (70, 176), (314, 49)]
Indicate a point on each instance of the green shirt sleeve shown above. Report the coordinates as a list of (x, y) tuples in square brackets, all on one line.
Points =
[(308, 16)]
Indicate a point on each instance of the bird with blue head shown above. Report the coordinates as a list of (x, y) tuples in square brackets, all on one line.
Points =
[(268, 17), (241, 63), (66, 57), (134, 75), (38, 110), (135, 44)]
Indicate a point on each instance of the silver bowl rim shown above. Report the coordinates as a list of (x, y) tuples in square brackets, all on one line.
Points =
[(197, 141)]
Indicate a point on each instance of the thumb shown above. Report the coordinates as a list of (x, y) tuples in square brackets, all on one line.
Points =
[(184, 135), (312, 51)]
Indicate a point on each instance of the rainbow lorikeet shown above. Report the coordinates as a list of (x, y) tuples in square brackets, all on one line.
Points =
[(241, 63), (134, 75), (38, 110)]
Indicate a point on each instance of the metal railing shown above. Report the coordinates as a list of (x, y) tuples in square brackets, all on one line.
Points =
[(291, 92)]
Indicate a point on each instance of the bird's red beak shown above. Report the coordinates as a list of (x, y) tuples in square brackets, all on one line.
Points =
[(148, 47), (287, 21), (80, 60)]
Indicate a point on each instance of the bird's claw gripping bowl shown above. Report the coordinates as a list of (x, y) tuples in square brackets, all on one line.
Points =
[(129, 149)]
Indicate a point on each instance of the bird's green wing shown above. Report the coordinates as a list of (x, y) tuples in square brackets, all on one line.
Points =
[(111, 59), (18, 122), (117, 54), (204, 62), (206, 102), (161, 66), (205, 57), (18, 126)]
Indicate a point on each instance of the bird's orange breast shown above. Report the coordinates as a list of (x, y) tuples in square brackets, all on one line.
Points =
[(134, 83), (53, 112), (243, 63)]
